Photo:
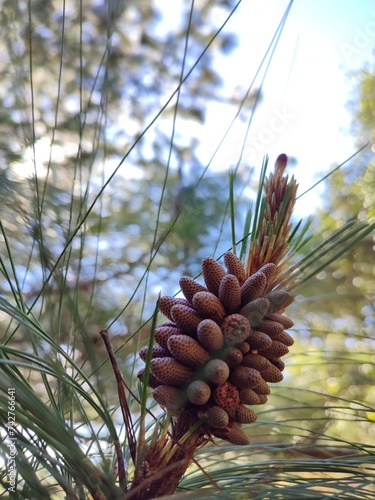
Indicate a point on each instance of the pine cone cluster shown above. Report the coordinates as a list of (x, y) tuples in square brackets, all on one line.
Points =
[(221, 347)]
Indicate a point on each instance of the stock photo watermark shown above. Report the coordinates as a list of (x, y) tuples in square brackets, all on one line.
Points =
[(363, 37), (11, 442), (277, 124)]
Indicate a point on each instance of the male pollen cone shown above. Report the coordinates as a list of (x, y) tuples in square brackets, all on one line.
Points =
[(221, 348)]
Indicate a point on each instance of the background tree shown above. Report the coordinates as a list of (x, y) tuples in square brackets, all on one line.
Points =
[(338, 307), (80, 85)]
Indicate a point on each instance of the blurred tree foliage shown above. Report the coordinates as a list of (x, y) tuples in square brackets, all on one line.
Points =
[(81, 82), (350, 195), (338, 307)]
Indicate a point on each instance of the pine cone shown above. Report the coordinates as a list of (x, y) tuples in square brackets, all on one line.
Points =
[(221, 347)]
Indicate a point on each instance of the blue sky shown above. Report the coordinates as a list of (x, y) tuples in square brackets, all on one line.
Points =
[(304, 112)]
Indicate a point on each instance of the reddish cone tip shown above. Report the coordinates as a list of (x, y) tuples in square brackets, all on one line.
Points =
[(281, 162)]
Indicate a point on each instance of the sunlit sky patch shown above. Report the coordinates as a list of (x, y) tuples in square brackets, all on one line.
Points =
[(305, 108)]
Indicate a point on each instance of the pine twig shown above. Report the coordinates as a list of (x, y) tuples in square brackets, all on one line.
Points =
[(125, 414)]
